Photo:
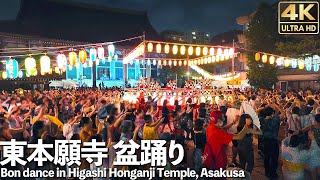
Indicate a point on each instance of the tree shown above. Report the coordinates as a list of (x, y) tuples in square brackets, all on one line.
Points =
[(262, 35)]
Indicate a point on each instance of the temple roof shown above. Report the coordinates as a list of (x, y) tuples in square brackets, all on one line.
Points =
[(56, 20)]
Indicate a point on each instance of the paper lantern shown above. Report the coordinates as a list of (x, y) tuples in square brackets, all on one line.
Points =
[(72, 58), (30, 66), (271, 59), (198, 51), (308, 66), (316, 67), (100, 52), (57, 70), (226, 52), (202, 61), (170, 63), (174, 49), (83, 56), (182, 50), (185, 62), (190, 63), (257, 56), (205, 51), (50, 72), (301, 64), (4, 75), (154, 62), (158, 48), (150, 47), (174, 63), (159, 62), (195, 62), (167, 49), (20, 74), (180, 63), (264, 58), (231, 52), (216, 58), (45, 64), (279, 61), (164, 62), (294, 63), (209, 59), (205, 60), (211, 51), (190, 51), (111, 50), (286, 63), (93, 54), (62, 61), (199, 61), (12, 68), (219, 51), (222, 57), (148, 62)]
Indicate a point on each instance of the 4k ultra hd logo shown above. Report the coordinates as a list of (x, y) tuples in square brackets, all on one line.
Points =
[(298, 17)]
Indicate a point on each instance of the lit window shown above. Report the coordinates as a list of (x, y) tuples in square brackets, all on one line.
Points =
[(194, 37), (207, 35), (194, 33)]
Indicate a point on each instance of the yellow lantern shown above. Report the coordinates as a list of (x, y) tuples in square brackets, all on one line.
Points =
[(30, 66), (198, 51), (175, 49), (180, 63), (158, 48), (205, 51), (164, 62), (202, 60), (209, 59), (182, 50), (170, 63), (57, 70), (185, 62), (83, 56), (72, 58), (195, 62), (205, 60), (271, 59), (45, 64), (286, 63), (219, 51), (257, 56), (4, 75), (211, 51), (231, 52), (217, 58), (264, 58), (174, 63), (301, 64), (226, 52), (190, 50), (167, 48), (150, 47), (190, 63), (50, 72), (159, 62), (199, 61)]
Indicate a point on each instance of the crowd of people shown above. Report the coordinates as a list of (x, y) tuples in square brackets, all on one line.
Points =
[(213, 127)]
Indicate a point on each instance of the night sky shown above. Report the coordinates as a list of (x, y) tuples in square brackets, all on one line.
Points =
[(213, 16)]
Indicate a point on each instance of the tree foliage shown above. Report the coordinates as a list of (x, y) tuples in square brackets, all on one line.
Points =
[(262, 35)]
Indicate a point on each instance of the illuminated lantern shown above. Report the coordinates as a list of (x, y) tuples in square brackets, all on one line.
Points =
[(100, 52), (182, 50), (279, 61), (199, 61), (264, 58), (45, 64), (62, 61), (198, 51), (170, 63), (180, 63), (301, 64), (167, 48), (148, 62), (159, 62), (57, 70), (216, 58), (158, 48), (209, 59), (109, 58), (72, 58), (154, 62), (4, 75), (150, 47), (316, 67), (83, 56), (190, 63), (286, 63), (50, 72), (257, 56), (271, 59), (294, 63), (111, 50), (211, 51), (226, 52), (222, 58), (195, 62), (174, 63), (93, 54), (190, 50), (308, 66), (20, 74), (205, 60), (12, 68), (205, 51), (202, 61), (185, 62), (231, 52), (175, 49), (219, 51), (164, 62)]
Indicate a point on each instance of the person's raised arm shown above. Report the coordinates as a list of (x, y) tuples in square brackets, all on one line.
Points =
[(119, 120), (159, 123)]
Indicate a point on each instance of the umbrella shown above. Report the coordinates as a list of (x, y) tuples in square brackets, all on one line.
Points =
[(246, 108)]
